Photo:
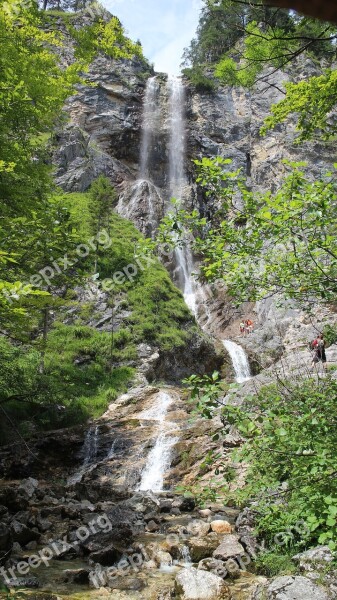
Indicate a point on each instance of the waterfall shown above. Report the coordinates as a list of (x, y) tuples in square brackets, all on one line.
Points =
[(185, 556), (239, 360), (177, 180), (177, 135), (159, 458), (89, 453), (151, 113)]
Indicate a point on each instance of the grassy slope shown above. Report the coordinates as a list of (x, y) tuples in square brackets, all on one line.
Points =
[(83, 373)]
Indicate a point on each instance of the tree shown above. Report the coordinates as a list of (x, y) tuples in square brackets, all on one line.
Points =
[(266, 244), (103, 197), (313, 102), (240, 38)]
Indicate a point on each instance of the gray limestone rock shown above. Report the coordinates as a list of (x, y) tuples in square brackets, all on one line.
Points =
[(230, 547), (196, 584), (291, 588)]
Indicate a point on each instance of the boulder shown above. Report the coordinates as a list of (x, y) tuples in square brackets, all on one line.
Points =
[(162, 559), (80, 576), (221, 526), (198, 528), (316, 559), (205, 513), (230, 547), (152, 526), (143, 502), (106, 556), (291, 588), (165, 505), (28, 486), (195, 584), (215, 566), (23, 534), (202, 547), (43, 524), (184, 504)]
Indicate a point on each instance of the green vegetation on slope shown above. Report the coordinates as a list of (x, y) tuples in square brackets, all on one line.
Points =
[(75, 371)]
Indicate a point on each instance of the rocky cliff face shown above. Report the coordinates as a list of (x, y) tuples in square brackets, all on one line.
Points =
[(103, 135)]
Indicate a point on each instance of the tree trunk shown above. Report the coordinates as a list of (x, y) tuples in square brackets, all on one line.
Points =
[(44, 339)]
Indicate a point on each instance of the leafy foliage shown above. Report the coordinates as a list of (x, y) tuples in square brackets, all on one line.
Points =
[(262, 244), (239, 39), (199, 80), (312, 101), (291, 455)]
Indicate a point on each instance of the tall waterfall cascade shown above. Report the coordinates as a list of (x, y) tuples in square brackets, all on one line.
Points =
[(177, 180), (150, 121), (159, 458), (239, 360)]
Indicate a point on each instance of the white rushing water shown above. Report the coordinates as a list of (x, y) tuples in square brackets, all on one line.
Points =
[(185, 556), (159, 458), (177, 180), (239, 361), (151, 115), (89, 453), (177, 135)]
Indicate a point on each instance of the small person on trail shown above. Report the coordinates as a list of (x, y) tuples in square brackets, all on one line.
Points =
[(242, 328), (249, 326), (318, 347)]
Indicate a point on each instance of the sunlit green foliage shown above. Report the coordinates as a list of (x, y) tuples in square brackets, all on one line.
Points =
[(312, 102), (289, 455), (261, 244)]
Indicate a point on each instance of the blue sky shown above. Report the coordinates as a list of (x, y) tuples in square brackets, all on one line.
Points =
[(165, 27)]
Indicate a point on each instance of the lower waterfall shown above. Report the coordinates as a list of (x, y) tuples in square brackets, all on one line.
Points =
[(239, 360), (89, 453), (159, 458)]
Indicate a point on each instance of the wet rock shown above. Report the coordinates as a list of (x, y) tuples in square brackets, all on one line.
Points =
[(13, 499), (205, 513), (195, 584), (43, 524), (162, 559), (291, 588), (65, 551), (198, 528), (31, 546), (22, 534), (127, 583), (28, 486), (80, 576), (165, 505), (230, 547), (143, 503), (220, 526), (152, 526), (16, 548), (202, 547), (106, 556), (214, 565), (24, 582), (184, 504)]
